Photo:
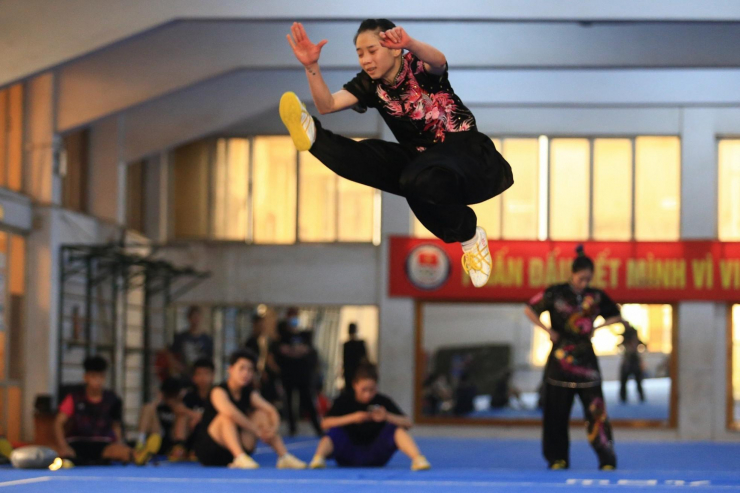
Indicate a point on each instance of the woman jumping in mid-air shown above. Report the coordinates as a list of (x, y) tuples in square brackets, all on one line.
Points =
[(441, 163)]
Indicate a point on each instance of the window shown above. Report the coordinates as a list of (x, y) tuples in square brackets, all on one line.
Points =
[(275, 190), (569, 188), (75, 177), (657, 188), (190, 185), (11, 137), (612, 190), (12, 294), (729, 184), (601, 189), (135, 196), (260, 190), (230, 192)]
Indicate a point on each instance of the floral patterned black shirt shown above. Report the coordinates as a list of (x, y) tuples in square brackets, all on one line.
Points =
[(420, 108), (572, 359)]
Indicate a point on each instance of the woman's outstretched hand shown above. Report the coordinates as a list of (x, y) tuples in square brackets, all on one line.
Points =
[(305, 51)]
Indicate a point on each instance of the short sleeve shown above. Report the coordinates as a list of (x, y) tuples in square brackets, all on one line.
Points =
[(607, 307), (541, 302), (362, 88), (392, 407), (67, 406)]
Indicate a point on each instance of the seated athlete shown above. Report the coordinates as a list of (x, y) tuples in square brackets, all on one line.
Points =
[(236, 416), (88, 425), (365, 428), (165, 421)]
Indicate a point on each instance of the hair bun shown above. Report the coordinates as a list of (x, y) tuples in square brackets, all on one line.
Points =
[(580, 251)]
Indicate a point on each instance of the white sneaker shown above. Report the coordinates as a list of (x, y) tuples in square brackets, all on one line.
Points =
[(476, 259), (289, 461), (420, 464), (318, 462), (243, 462), (298, 121)]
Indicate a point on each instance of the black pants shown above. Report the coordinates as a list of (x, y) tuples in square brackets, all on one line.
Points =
[(438, 183), (555, 437), (628, 369), (305, 398)]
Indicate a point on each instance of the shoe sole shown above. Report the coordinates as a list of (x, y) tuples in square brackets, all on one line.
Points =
[(290, 113)]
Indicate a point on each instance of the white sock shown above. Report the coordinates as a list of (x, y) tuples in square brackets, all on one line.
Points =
[(469, 245)]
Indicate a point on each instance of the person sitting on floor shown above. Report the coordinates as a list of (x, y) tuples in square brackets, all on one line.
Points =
[(165, 421), (88, 426), (365, 428), (235, 417)]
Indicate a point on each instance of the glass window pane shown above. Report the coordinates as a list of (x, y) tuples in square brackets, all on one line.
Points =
[(190, 184), (612, 189), (4, 96), (231, 185), (15, 137), (17, 264), (654, 324), (729, 184), (657, 188), (14, 414), (520, 202), (569, 189), (317, 209), (489, 212), (356, 211), (274, 190)]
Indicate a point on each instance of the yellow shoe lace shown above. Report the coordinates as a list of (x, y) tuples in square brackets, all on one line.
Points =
[(474, 260)]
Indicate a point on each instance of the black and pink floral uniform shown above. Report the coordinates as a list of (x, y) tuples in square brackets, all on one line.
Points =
[(441, 163), (572, 368)]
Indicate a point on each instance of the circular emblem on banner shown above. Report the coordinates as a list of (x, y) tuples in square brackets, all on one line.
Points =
[(427, 267)]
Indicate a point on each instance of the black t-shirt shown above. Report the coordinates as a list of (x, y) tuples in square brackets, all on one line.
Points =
[(362, 433), (572, 359), (354, 352), (191, 347), (192, 400), (88, 420), (244, 404), (419, 107)]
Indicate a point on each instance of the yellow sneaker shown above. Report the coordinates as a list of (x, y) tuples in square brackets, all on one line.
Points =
[(60, 463), (558, 465), (298, 121), (143, 454), (318, 462), (5, 448), (608, 467), (420, 464), (476, 259), (243, 462)]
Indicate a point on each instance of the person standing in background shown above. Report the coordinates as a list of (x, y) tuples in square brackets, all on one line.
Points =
[(353, 355)]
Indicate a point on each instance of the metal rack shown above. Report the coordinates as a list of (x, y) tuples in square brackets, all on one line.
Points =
[(116, 300)]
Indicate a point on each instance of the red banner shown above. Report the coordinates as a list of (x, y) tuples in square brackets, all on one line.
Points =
[(636, 272)]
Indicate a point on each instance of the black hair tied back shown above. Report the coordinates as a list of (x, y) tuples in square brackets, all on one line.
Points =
[(582, 262)]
